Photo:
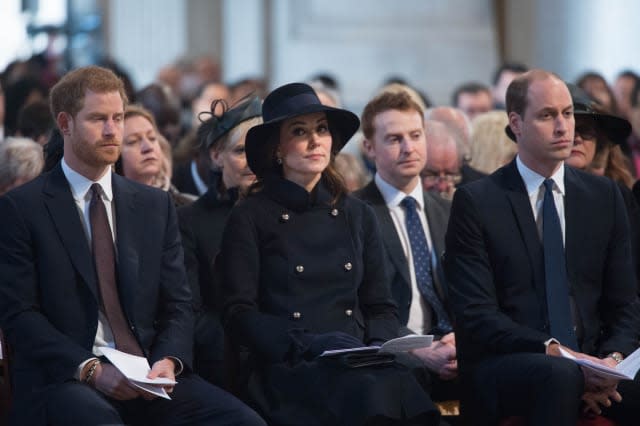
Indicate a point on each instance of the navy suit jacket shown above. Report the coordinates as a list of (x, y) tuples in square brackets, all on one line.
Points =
[(48, 286), (495, 267), (437, 211)]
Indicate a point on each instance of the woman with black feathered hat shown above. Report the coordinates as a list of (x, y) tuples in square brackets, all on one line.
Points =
[(201, 225), (303, 271)]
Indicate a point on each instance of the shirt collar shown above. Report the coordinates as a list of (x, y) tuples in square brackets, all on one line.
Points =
[(201, 187), (80, 185), (533, 180), (393, 196)]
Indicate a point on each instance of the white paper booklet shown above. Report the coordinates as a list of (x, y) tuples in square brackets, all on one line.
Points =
[(399, 344), (136, 368), (626, 370)]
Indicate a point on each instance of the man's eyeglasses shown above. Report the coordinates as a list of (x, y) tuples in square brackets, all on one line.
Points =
[(433, 178)]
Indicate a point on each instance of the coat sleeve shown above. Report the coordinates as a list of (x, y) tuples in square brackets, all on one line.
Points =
[(267, 336), (27, 328), (379, 309), (472, 287)]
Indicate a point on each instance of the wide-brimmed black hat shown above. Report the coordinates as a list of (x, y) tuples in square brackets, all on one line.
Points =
[(219, 125), (616, 128), (288, 101)]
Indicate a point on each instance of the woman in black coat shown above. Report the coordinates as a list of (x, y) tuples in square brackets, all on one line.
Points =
[(201, 225), (597, 141), (303, 271)]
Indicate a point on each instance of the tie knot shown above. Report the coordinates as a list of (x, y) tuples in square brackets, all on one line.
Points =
[(548, 184), (409, 203), (96, 191)]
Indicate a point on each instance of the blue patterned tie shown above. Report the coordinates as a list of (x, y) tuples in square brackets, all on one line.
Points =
[(422, 266), (555, 270)]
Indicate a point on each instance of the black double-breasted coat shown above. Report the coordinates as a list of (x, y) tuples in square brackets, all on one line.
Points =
[(294, 264)]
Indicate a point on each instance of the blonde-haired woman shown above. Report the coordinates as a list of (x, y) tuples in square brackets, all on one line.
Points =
[(146, 154)]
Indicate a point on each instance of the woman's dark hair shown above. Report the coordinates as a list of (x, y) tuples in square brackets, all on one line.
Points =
[(35, 120), (16, 96)]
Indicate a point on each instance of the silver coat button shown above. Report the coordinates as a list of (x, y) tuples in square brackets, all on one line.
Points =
[(334, 212), (348, 266), (348, 312), (297, 315), (299, 269), (284, 217)]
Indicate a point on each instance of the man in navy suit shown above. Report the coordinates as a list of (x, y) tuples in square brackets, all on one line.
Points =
[(394, 131), (54, 308), (516, 300)]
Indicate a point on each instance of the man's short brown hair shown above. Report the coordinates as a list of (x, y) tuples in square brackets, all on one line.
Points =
[(68, 94), (385, 101), (516, 98)]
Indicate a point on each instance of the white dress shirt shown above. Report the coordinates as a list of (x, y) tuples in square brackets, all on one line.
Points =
[(201, 187), (393, 197), (81, 191), (533, 182)]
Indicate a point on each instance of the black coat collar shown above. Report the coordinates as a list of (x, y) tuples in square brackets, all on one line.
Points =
[(217, 194), (295, 197)]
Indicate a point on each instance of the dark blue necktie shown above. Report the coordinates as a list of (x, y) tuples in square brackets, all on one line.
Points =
[(422, 266), (555, 270)]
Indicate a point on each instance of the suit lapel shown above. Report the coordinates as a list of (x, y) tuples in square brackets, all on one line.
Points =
[(388, 230), (437, 228), (521, 206), (129, 226), (66, 218), (437, 223)]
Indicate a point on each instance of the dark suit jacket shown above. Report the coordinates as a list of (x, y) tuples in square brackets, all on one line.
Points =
[(495, 267), (437, 211), (469, 174), (49, 290)]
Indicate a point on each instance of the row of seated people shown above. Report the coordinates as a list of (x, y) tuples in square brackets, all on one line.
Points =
[(297, 267)]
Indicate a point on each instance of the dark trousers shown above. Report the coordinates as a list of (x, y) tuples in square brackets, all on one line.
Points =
[(193, 402), (627, 412), (543, 389), (209, 345)]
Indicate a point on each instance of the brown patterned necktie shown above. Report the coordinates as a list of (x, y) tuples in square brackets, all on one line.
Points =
[(104, 260)]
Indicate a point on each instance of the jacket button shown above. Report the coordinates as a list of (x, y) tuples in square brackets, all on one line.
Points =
[(284, 217), (348, 266), (299, 269), (297, 315), (348, 312), (334, 212)]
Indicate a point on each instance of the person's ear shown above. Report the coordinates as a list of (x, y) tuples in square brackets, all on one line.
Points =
[(369, 149), (216, 158), (65, 123), (515, 123)]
